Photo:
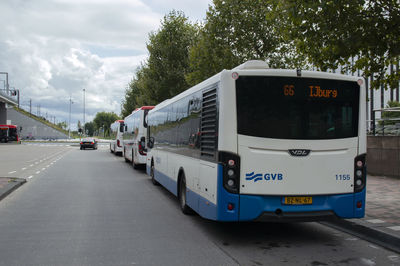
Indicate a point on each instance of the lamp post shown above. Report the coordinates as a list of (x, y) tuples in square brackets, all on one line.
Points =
[(84, 124), (69, 124)]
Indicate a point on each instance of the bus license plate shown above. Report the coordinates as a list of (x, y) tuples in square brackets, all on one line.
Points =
[(297, 200)]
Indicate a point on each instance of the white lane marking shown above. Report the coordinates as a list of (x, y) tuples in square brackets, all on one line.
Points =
[(395, 228), (43, 169), (12, 172), (375, 221), (37, 172), (29, 177), (31, 165), (36, 162), (23, 168), (48, 165)]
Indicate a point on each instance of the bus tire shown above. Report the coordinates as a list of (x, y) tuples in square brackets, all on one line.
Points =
[(126, 160), (182, 196), (153, 180)]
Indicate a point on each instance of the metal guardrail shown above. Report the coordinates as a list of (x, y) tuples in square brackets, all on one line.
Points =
[(11, 96), (378, 126)]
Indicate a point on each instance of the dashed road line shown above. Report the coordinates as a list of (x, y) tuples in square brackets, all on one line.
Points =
[(38, 172), (29, 177), (12, 172), (23, 168)]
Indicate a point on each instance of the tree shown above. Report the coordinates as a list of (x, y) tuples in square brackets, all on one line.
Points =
[(162, 76), (90, 128), (354, 34), (236, 31), (62, 125), (104, 120)]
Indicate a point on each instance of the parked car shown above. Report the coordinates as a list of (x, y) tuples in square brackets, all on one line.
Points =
[(89, 143)]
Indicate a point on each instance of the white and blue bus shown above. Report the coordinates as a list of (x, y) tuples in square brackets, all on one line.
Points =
[(254, 143), (117, 129)]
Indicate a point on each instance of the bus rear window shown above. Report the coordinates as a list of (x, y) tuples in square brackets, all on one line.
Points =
[(297, 108)]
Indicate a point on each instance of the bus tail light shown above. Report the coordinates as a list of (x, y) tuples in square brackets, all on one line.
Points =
[(118, 143), (360, 173), (142, 143), (231, 171)]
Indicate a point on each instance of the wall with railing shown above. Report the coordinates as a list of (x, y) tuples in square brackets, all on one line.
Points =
[(383, 155)]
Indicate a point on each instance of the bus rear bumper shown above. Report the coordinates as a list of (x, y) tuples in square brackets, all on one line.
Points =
[(324, 207)]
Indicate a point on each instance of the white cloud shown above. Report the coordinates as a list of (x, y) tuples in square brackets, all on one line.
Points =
[(54, 49)]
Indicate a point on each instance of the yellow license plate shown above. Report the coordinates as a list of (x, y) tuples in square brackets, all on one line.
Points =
[(297, 200)]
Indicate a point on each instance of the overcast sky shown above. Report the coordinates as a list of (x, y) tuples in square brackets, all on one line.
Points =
[(54, 49)]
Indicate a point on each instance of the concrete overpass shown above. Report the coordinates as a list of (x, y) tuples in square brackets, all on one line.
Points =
[(6, 100)]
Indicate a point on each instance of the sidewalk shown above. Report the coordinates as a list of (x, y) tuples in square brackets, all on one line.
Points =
[(381, 223), (9, 184)]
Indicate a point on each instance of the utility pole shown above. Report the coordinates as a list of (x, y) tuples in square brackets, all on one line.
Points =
[(69, 124), (30, 105)]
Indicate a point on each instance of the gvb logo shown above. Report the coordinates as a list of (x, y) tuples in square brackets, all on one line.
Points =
[(266, 177)]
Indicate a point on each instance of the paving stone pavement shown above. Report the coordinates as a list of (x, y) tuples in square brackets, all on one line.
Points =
[(383, 200)]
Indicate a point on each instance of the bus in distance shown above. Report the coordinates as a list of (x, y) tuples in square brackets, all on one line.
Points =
[(117, 130), (260, 144), (9, 133), (134, 136)]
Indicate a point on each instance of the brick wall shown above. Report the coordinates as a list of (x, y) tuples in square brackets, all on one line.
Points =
[(383, 155)]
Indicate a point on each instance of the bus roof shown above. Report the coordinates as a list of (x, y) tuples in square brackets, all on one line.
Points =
[(9, 126)]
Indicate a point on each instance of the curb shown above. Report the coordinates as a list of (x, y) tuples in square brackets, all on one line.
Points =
[(370, 234), (16, 183)]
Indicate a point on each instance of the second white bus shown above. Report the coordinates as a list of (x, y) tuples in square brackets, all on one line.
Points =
[(134, 136)]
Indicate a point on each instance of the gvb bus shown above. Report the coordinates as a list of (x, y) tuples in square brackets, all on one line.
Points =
[(135, 136), (117, 130), (254, 143)]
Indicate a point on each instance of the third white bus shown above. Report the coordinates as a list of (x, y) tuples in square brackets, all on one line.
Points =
[(117, 129)]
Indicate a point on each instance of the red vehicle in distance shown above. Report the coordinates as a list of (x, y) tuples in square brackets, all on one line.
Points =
[(8, 133)]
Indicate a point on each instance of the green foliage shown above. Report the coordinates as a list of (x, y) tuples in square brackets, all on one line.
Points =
[(90, 128), (355, 34), (62, 125), (236, 31), (391, 115), (104, 120), (163, 75)]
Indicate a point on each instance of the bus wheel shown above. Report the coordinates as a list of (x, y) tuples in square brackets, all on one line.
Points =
[(135, 166), (126, 160), (182, 196), (153, 180)]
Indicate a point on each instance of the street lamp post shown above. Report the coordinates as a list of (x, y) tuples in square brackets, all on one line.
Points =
[(84, 125), (69, 125)]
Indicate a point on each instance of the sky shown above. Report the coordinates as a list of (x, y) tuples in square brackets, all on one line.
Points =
[(53, 49)]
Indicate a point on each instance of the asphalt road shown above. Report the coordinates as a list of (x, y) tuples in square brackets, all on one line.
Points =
[(89, 207)]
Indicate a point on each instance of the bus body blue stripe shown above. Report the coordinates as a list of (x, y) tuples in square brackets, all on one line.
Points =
[(250, 207), (344, 205), (166, 181)]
